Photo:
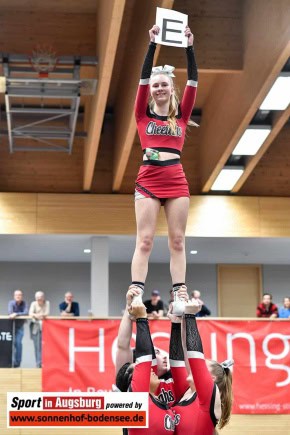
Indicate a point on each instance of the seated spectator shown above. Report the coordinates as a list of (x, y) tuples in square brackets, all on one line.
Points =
[(155, 306), (69, 308), (204, 311), (266, 308), (39, 310), (284, 312), (17, 307)]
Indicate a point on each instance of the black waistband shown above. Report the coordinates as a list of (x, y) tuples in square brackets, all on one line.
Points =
[(165, 150), (161, 162)]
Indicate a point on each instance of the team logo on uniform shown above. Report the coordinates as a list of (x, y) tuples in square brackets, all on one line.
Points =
[(166, 396), (154, 129), (170, 423)]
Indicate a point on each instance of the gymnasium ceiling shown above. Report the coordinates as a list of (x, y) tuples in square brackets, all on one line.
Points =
[(241, 46)]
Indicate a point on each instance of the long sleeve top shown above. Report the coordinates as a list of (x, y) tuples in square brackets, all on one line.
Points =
[(154, 131)]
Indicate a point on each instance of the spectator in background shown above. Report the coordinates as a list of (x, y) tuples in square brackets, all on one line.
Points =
[(171, 299), (39, 310), (204, 311), (284, 312), (17, 307), (266, 308), (69, 308), (155, 306)]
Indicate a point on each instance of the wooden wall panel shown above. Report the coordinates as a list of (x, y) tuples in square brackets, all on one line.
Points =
[(275, 217), (71, 6), (69, 34), (85, 214), (217, 215), (41, 171), (209, 216), (17, 213)]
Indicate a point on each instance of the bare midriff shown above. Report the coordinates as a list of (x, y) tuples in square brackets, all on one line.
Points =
[(164, 156)]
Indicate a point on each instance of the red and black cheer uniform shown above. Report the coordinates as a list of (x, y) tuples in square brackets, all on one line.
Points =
[(165, 390), (156, 178), (161, 418), (196, 414)]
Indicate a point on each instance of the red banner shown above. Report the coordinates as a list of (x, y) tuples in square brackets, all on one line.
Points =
[(80, 355)]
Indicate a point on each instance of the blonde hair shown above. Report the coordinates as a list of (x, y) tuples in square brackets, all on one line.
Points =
[(173, 106), (223, 379)]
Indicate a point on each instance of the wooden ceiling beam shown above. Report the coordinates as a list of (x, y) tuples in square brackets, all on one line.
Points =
[(236, 99), (125, 126), (109, 18), (280, 120)]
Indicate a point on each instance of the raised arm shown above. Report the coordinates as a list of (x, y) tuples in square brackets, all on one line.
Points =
[(202, 378), (176, 352), (143, 88), (144, 346), (189, 94), (176, 359), (124, 352)]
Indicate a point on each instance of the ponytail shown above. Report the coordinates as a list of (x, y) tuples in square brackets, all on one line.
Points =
[(223, 379)]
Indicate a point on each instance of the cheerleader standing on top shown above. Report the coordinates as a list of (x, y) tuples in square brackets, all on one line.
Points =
[(161, 122)]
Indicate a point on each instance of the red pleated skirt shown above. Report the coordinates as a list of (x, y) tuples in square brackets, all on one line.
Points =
[(162, 181)]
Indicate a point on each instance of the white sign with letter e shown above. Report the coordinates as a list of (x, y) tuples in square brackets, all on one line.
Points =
[(172, 26)]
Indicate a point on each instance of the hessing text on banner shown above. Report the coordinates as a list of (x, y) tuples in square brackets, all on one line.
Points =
[(80, 357)]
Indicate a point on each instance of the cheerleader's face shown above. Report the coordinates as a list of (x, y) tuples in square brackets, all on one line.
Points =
[(161, 88), (162, 361)]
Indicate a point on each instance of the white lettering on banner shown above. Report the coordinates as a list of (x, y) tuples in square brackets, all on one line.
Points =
[(74, 349), (213, 346), (270, 356), (222, 344), (5, 336), (246, 336)]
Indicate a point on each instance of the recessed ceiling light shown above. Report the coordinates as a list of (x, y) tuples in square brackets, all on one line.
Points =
[(227, 178), (193, 252), (87, 251), (278, 97), (251, 141)]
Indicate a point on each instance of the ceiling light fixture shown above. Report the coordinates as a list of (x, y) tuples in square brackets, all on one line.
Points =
[(193, 252), (278, 97), (252, 140), (87, 251), (227, 178)]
